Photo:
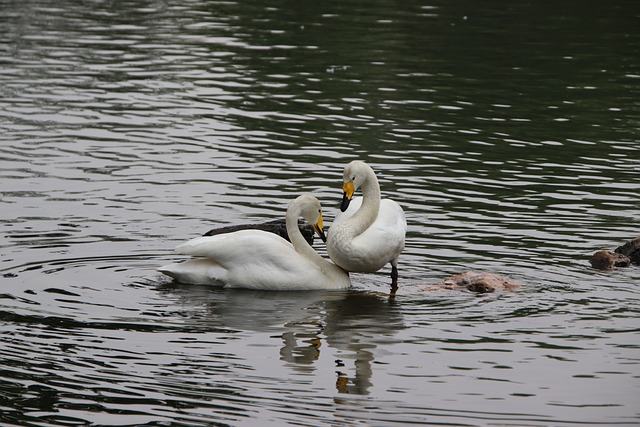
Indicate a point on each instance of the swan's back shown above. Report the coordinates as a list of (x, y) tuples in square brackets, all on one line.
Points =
[(237, 247), (251, 259)]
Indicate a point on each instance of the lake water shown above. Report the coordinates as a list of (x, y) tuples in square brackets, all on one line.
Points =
[(509, 132)]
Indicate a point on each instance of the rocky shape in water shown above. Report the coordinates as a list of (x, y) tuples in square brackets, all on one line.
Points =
[(475, 281), (607, 260), (631, 249), (622, 256)]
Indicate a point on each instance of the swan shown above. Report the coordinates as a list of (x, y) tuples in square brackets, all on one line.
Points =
[(258, 259), (369, 232)]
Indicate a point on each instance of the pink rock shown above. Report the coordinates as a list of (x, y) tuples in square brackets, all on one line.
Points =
[(482, 282), (475, 281)]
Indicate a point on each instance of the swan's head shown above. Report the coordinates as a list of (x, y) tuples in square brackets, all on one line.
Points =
[(311, 210), (355, 173)]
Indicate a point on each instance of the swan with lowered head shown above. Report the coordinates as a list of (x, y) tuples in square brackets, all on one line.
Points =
[(257, 259), (369, 232)]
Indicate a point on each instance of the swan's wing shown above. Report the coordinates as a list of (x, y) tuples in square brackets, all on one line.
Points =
[(200, 271), (390, 221), (255, 259), (388, 231), (391, 218), (249, 251), (232, 247), (390, 214)]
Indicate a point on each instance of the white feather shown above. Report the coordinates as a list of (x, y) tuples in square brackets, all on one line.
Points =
[(366, 242), (258, 259)]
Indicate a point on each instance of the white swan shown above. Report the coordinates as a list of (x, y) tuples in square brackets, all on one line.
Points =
[(257, 259), (369, 233)]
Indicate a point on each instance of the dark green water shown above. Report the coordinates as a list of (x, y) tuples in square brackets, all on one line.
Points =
[(509, 132)]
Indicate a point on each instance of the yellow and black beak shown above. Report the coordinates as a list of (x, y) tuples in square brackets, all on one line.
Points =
[(348, 189), (319, 229)]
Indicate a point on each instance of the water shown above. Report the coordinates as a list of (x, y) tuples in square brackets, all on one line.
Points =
[(508, 133)]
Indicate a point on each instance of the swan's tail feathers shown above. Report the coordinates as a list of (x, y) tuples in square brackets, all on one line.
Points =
[(200, 271)]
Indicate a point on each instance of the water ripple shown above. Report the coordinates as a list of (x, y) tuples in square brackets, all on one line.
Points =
[(125, 130)]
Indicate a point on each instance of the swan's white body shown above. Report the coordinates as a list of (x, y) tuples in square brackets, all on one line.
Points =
[(256, 259), (381, 243), (370, 233)]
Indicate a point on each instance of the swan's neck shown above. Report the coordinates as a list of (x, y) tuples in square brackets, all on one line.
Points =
[(298, 241), (368, 212)]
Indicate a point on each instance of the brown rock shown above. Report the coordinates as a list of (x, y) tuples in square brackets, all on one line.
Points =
[(474, 281), (481, 282), (606, 260), (631, 249)]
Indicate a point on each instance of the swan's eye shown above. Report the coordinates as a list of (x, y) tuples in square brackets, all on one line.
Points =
[(353, 179)]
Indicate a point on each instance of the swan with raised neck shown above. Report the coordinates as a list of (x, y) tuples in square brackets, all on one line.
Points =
[(370, 232)]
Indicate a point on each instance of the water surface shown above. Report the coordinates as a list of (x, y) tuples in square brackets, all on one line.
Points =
[(508, 133)]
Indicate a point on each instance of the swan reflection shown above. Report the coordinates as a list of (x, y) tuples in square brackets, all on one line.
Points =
[(345, 326), (356, 326)]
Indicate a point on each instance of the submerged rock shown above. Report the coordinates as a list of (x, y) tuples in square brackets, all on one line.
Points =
[(482, 282), (606, 260), (623, 256), (630, 249), (475, 281), (277, 226)]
